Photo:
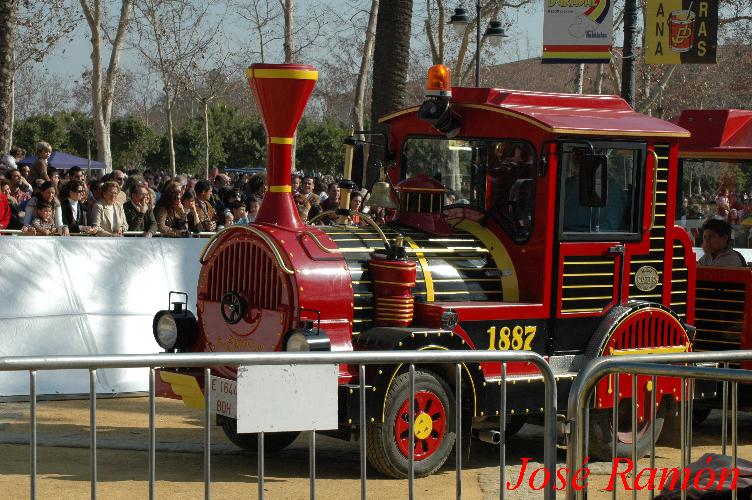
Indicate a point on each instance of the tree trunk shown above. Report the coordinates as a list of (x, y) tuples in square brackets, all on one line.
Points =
[(360, 87), (103, 87), (391, 55), (579, 78), (206, 134), (599, 80), (289, 43), (8, 17), (170, 136)]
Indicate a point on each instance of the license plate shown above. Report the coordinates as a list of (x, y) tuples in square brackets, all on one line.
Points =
[(224, 396)]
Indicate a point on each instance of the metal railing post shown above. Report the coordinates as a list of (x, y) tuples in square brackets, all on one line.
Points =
[(93, 430), (33, 444)]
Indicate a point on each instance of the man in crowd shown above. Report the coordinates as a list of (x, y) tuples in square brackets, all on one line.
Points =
[(19, 188), (138, 212), (331, 202)]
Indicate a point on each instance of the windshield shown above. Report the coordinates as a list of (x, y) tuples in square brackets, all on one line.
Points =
[(489, 175)]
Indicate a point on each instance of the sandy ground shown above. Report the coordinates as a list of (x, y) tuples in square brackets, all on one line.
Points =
[(122, 436)]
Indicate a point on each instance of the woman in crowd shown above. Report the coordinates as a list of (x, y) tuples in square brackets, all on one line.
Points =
[(207, 216), (356, 200), (108, 218), (48, 193), (172, 219), (188, 201)]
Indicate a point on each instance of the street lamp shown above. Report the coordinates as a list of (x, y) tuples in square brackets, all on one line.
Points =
[(494, 32)]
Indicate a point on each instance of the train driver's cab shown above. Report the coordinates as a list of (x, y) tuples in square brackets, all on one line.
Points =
[(495, 178)]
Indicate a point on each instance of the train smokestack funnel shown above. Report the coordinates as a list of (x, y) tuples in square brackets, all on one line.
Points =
[(281, 92)]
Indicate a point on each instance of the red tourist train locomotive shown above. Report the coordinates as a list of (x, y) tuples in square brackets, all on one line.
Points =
[(523, 221)]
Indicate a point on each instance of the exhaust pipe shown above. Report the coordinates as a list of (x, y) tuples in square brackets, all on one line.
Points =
[(490, 436)]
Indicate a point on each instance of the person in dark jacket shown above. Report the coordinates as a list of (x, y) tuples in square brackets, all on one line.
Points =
[(75, 211), (138, 212)]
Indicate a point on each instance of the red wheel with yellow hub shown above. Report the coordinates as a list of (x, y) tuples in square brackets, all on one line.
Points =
[(429, 425), (433, 426)]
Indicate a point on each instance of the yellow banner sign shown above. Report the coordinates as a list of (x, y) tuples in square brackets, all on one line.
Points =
[(681, 31)]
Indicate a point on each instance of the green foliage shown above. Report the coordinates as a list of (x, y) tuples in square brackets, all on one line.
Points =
[(65, 131), (131, 141), (37, 128), (234, 140), (320, 147)]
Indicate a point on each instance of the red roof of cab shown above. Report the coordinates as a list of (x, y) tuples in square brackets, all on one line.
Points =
[(716, 133), (562, 113)]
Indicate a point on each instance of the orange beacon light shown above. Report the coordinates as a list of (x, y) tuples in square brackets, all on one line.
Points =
[(439, 81)]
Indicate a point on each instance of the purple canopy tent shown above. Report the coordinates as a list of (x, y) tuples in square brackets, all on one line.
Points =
[(64, 161)]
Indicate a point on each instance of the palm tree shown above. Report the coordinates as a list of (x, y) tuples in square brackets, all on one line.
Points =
[(8, 16), (390, 61)]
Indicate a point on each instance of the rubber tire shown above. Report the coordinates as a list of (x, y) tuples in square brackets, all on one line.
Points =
[(699, 415), (514, 424), (274, 442), (383, 453), (601, 433)]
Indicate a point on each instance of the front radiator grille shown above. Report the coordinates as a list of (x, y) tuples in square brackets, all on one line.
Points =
[(646, 330), (246, 267)]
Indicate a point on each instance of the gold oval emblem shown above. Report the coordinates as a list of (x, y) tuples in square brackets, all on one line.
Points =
[(646, 278)]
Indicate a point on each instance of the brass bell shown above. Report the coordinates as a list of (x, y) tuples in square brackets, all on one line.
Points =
[(381, 194)]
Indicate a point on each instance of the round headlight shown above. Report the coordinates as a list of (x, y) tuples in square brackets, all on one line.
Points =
[(297, 342), (165, 330)]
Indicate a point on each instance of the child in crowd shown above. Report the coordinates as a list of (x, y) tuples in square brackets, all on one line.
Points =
[(253, 207), (229, 219), (44, 223), (237, 209)]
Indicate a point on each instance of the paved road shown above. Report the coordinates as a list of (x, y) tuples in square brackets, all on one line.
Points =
[(122, 436)]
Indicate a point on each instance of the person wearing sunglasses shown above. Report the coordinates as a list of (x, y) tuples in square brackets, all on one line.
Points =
[(75, 211)]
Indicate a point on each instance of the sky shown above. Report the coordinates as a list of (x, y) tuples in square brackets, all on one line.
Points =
[(525, 40)]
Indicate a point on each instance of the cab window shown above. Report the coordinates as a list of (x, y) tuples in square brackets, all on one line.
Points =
[(496, 177), (601, 197)]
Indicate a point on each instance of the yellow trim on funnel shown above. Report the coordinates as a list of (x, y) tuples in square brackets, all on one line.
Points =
[(280, 189), (289, 74), (280, 140)]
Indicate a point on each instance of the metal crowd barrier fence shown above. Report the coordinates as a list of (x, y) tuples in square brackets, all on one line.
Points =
[(691, 369), (18, 232), (205, 360)]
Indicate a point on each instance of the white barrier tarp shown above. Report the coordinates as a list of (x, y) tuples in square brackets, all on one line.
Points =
[(84, 296)]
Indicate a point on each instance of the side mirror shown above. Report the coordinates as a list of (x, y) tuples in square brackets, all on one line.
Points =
[(594, 181)]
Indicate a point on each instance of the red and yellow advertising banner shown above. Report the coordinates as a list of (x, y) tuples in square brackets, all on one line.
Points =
[(681, 31), (577, 31)]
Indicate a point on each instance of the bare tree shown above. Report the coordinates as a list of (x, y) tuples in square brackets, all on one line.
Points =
[(260, 14), (208, 79), (172, 35), (103, 81)]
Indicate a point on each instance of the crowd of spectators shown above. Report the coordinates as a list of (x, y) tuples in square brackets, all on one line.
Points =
[(44, 201), (727, 205)]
